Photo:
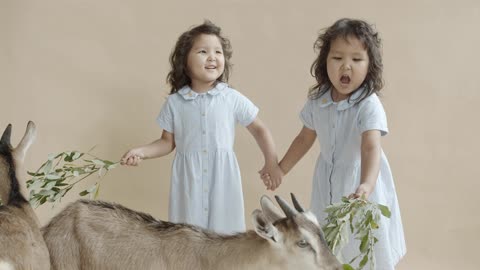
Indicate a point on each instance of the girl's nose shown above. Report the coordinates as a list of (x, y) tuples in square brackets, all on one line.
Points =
[(211, 58), (346, 66)]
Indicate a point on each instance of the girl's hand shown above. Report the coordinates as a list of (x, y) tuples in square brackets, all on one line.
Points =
[(271, 176), (132, 157), (363, 190), (265, 178)]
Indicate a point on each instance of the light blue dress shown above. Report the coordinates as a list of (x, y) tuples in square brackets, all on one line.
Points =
[(206, 188), (339, 127)]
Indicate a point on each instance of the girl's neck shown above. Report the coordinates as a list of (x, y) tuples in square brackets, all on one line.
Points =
[(337, 97), (202, 87)]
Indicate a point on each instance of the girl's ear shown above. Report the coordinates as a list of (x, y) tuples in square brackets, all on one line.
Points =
[(265, 228)]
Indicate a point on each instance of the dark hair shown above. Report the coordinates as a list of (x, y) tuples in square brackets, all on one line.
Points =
[(345, 28), (178, 75)]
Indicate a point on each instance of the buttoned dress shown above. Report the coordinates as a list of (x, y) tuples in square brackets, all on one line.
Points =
[(339, 127), (206, 188)]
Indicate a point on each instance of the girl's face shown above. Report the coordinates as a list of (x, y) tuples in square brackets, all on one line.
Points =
[(205, 62), (347, 66)]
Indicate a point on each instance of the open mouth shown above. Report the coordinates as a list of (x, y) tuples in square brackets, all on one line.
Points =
[(345, 79), (210, 67)]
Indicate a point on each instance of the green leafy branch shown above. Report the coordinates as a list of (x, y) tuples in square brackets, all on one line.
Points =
[(61, 172), (354, 216)]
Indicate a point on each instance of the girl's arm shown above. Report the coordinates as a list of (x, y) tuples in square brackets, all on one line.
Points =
[(299, 147), (265, 141), (371, 151), (158, 148)]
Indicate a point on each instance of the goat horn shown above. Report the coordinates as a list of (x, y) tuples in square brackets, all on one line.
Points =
[(296, 204), (289, 211), (6, 135), (27, 140)]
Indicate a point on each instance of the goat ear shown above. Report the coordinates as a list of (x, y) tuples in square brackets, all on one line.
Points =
[(264, 228), (271, 212)]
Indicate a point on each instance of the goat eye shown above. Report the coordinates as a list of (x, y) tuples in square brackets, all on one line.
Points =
[(302, 243)]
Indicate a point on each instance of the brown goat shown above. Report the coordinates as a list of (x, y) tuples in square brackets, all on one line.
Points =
[(99, 235), (21, 243)]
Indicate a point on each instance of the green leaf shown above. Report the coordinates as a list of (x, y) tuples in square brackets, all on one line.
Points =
[(77, 155), (98, 162), (385, 211), (47, 193), (96, 192), (50, 185), (43, 200), (52, 177), (47, 168), (61, 172), (364, 243), (34, 173), (112, 166), (363, 262), (348, 267), (35, 185)]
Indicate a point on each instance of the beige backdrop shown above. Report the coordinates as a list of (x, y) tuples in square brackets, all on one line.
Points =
[(93, 73)]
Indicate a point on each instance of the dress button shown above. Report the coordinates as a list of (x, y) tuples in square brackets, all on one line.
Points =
[(204, 170), (204, 151), (203, 114), (204, 132)]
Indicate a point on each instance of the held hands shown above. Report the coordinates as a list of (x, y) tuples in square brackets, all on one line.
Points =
[(363, 190), (271, 174), (132, 157)]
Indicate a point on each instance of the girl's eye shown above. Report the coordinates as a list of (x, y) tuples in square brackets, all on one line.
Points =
[(202, 51), (337, 58), (357, 59), (303, 243), (219, 52)]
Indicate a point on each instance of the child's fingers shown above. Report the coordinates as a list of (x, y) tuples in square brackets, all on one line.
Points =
[(267, 183), (124, 160), (131, 161), (136, 160)]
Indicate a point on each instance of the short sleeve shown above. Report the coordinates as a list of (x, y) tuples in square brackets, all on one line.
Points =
[(165, 117), (245, 110), (372, 116), (306, 115)]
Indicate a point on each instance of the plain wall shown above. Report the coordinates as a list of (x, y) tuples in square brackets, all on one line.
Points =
[(93, 73)]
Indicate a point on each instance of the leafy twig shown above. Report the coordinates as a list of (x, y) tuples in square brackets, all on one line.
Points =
[(61, 172), (354, 216)]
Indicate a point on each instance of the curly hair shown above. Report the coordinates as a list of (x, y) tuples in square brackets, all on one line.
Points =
[(178, 75), (345, 28)]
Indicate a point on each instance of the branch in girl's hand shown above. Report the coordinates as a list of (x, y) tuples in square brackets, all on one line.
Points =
[(61, 172), (354, 216)]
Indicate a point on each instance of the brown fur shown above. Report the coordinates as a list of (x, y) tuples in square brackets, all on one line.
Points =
[(98, 235), (21, 243)]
